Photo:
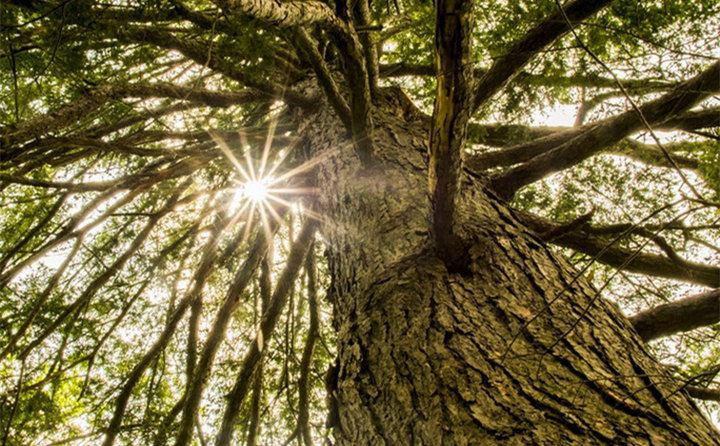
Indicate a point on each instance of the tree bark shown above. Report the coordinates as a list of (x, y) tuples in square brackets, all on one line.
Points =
[(426, 356)]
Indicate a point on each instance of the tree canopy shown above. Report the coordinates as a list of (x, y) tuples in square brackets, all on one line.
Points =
[(162, 267)]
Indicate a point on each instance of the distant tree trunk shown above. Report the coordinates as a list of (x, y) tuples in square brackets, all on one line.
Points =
[(423, 353)]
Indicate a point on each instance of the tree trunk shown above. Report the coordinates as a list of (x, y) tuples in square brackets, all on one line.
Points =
[(431, 357)]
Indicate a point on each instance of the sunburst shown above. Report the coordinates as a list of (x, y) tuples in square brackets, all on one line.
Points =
[(259, 188)]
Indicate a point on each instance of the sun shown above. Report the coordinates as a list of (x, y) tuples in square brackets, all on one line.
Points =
[(256, 190), (261, 189)]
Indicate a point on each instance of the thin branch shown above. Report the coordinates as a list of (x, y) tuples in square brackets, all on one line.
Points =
[(203, 55), (267, 326), (504, 69), (202, 273), (119, 263), (217, 332), (303, 421), (40, 301), (265, 296), (308, 46), (99, 96)]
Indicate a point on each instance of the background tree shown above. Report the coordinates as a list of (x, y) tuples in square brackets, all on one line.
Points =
[(260, 221)]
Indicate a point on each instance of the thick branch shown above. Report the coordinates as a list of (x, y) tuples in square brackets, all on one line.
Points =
[(603, 250), (402, 69), (693, 120), (683, 315), (363, 18), (285, 14), (504, 69), (652, 155), (534, 141), (451, 114), (609, 131), (308, 46), (703, 393)]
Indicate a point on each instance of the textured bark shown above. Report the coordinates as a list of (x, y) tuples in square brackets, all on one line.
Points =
[(426, 356), (285, 14)]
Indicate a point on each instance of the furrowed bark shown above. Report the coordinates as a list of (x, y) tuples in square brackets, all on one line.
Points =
[(420, 349), (685, 314), (451, 113), (504, 69), (267, 326), (609, 131)]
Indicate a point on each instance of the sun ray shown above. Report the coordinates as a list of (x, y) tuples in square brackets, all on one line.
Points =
[(250, 219), (268, 143), (273, 213), (304, 167), (307, 212), (293, 191), (257, 190), (250, 166), (228, 152), (264, 219)]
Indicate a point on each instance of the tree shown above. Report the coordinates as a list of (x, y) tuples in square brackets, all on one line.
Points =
[(223, 218)]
